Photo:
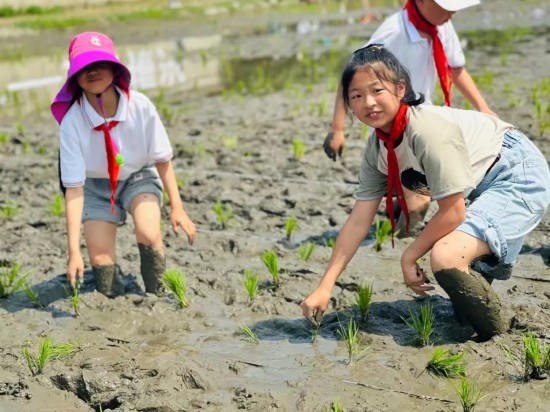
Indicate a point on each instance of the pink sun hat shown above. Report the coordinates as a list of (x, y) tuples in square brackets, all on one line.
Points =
[(85, 49)]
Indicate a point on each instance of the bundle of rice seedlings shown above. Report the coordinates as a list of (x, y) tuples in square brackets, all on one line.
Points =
[(174, 280), (446, 366)]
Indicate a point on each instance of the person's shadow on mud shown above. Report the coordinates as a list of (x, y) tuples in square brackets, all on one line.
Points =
[(384, 319)]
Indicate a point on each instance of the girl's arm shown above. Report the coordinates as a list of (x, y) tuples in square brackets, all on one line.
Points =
[(352, 234), (466, 85), (178, 217), (74, 204)]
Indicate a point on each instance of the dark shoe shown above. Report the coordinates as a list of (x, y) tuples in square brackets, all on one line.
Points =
[(474, 300)]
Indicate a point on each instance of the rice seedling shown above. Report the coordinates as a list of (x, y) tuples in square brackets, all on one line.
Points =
[(9, 210), (306, 250), (223, 212), (75, 298), (350, 335), (174, 280), (25, 145), (4, 137), (251, 281), (421, 325), (322, 108), (315, 329), (446, 366), (269, 257), (251, 336), (42, 150), (382, 233), (537, 359), (331, 242), (469, 396), (363, 301), (290, 226), (56, 206), (298, 148), (230, 142), (11, 279), (47, 351), (335, 406), (19, 128), (32, 295)]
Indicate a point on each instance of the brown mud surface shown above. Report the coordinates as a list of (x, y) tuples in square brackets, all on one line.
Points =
[(143, 353)]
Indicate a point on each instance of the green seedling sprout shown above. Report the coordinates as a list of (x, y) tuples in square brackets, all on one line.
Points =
[(306, 250), (223, 212), (75, 298), (315, 329), (47, 351), (363, 301), (230, 142), (25, 145), (330, 242), (269, 257), (290, 226), (32, 295), (298, 148), (537, 359), (4, 137), (174, 280), (9, 210), (19, 128), (11, 279), (55, 208), (350, 335), (335, 406), (251, 281), (469, 395), (251, 336), (446, 366), (382, 233), (421, 325)]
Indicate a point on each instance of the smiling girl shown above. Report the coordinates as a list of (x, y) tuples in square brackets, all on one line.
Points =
[(456, 157), (115, 158)]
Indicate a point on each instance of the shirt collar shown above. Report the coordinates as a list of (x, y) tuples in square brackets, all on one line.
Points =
[(94, 119), (411, 30)]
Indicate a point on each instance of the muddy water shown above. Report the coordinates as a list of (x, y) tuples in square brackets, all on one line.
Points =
[(143, 353)]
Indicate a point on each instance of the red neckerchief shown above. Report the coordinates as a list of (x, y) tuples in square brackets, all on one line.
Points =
[(441, 64), (112, 166), (399, 125)]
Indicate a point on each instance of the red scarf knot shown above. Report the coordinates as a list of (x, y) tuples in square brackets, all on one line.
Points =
[(441, 64), (112, 166), (394, 180)]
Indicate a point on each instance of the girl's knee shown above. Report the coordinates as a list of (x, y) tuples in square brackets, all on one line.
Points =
[(149, 237), (101, 259), (444, 256)]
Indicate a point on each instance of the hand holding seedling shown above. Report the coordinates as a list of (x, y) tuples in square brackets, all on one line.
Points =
[(75, 268), (315, 305), (415, 277), (334, 144), (179, 218)]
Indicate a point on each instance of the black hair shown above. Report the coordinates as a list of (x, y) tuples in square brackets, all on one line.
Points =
[(386, 67)]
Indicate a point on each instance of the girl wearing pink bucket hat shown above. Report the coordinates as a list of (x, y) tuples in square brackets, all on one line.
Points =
[(114, 158)]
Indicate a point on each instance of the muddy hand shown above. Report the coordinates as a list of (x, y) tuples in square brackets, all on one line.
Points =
[(314, 306), (75, 270), (334, 144), (416, 279)]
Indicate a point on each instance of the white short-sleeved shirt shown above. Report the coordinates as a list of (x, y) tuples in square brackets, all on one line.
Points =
[(401, 38), (444, 151), (139, 135)]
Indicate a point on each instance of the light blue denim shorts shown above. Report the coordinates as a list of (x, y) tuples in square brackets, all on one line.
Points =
[(508, 203), (97, 195)]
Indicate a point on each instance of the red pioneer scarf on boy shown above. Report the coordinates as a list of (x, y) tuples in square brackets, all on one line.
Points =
[(112, 165), (441, 64), (394, 180)]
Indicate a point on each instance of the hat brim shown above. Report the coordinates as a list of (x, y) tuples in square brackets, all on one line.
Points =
[(455, 5)]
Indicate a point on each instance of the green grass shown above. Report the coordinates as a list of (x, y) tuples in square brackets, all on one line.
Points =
[(469, 395), (250, 335), (350, 335), (306, 250), (270, 260), (363, 300), (382, 233), (8, 11), (444, 365), (174, 280), (47, 351), (422, 325), (224, 213), (291, 225), (298, 148), (53, 23), (11, 279), (56, 207), (251, 281)]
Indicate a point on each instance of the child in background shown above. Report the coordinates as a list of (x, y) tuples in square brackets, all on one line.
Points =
[(451, 155), (423, 39), (115, 157)]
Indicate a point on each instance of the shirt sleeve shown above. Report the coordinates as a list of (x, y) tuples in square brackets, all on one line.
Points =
[(71, 158), (160, 149), (443, 155), (372, 183), (451, 45)]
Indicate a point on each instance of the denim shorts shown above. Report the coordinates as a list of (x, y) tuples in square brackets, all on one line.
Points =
[(97, 195), (508, 203)]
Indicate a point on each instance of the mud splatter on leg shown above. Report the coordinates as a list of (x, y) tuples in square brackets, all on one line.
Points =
[(474, 300), (108, 280), (153, 265)]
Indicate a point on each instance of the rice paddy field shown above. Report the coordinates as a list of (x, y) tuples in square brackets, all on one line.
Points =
[(247, 124)]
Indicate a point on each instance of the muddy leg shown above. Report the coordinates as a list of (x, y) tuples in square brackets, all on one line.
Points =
[(153, 265), (474, 300), (108, 280)]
